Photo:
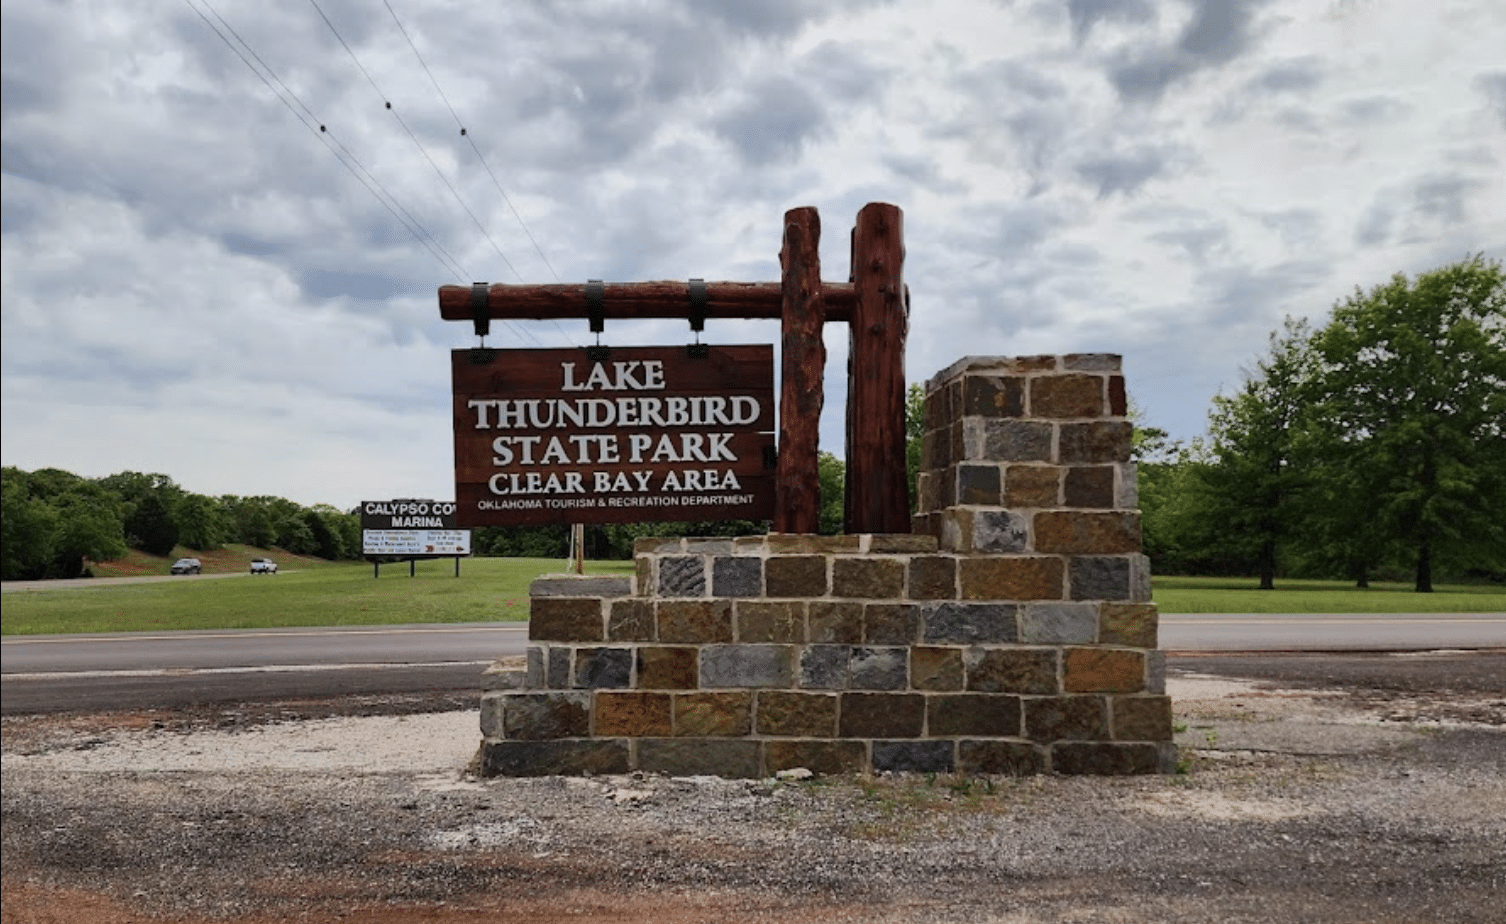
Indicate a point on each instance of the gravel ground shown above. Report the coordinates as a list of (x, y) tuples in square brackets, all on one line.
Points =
[(1354, 800)]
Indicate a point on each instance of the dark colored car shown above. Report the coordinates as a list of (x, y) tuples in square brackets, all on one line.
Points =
[(187, 566)]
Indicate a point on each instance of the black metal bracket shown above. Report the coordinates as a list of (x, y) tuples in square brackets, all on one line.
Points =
[(479, 313), (481, 356), (596, 293), (699, 299), (598, 353)]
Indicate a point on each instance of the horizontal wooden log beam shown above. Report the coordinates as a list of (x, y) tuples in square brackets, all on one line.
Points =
[(630, 300)]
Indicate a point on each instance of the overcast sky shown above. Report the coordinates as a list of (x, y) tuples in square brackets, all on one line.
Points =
[(194, 284)]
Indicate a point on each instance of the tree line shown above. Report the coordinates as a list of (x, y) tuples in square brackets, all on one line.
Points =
[(53, 522), (1372, 446)]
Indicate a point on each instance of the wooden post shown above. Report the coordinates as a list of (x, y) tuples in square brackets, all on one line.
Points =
[(578, 540), (802, 368), (877, 496)]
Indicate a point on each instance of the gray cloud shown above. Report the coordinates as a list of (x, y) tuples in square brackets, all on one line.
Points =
[(1219, 31), (1086, 14), (1127, 172), (1493, 85), (772, 120), (1294, 75)]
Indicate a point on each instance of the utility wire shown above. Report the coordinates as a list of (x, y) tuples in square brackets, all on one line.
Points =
[(338, 149)]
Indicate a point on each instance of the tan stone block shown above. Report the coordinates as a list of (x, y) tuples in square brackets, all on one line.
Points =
[(1032, 486), (1132, 625), (1012, 670), (566, 619), (882, 715), (1011, 578), (1066, 396), (632, 715), (795, 576), (835, 622), (1104, 670), (1069, 532), (1066, 718), (643, 574), (801, 715), (899, 543), (693, 621), (1141, 718), (630, 620), (713, 715), (973, 715), (869, 578), (825, 756), (780, 621), (667, 668), (1098, 441), (932, 577), (811, 544), (936, 669), (656, 545), (1090, 486)]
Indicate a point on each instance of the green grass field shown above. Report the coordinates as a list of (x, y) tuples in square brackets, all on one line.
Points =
[(311, 592)]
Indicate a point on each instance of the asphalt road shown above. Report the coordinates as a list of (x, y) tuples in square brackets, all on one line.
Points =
[(144, 670)]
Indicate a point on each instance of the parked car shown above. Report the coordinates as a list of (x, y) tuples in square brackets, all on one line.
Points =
[(263, 566), (187, 566)]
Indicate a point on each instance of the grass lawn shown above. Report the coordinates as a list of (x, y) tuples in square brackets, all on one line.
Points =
[(1242, 595), (488, 589)]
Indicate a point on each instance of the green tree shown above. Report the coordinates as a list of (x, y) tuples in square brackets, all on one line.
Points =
[(89, 527), (1414, 403), (831, 473), (151, 526), (202, 523), (27, 525), (915, 429)]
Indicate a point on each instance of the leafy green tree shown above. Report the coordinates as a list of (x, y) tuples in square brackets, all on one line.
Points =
[(89, 527), (202, 523), (1414, 403), (915, 428), (27, 525), (151, 526), (832, 476)]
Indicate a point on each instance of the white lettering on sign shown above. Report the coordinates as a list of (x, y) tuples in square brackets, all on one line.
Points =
[(561, 413), (635, 375)]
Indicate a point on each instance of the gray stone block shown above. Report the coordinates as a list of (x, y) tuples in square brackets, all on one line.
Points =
[(725, 757), (1155, 672), (1002, 440), (1139, 579), (878, 669), (747, 666), (537, 678), (491, 714), (553, 758), (1100, 577), (913, 756), (603, 668), (682, 576), (1059, 623), (557, 670), (824, 667), (540, 716), (736, 577), (968, 623), (999, 531), (580, 586)]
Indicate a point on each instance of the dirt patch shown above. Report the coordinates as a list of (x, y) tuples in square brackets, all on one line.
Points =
[(1320, 805)]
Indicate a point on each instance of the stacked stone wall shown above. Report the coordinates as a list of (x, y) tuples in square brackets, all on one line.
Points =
[(1011, 633)]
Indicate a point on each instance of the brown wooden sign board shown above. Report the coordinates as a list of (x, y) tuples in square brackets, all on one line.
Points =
[(641, 434)]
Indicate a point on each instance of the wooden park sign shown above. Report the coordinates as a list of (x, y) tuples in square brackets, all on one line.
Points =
[(614, 435), (874, 304)]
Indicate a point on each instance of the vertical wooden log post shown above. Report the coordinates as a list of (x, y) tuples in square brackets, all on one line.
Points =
[(802, 368), (877, 495)]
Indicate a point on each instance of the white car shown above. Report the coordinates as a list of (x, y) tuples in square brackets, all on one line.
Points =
[(263, 566)]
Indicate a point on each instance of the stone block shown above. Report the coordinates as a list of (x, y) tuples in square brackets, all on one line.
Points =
[(1009, 758), (1089, 487), (630, 620), (657, 545), (566, 619), (928, 489), (492, 702), (870, 578), (934, 668), (993, 396), (1093, 443), (1103, 670), (1006, 440), (1139, 579), (668, 668), (779, 621), (828, 757), (693, 621), (1118, 397), (1066, 396), (979, 484), (914, 757), (1092, 362), (796, 576), (973, 715), (539, 716), (882, 715), (750, 545), (837, 621), (748, 666), (713, 715), (999, 531), (900, 544), (1069, 532), (1099, 577), (877, 669), (969, 623), (891, 623), (704, 546), (796, 715), (1012, 670), (632, 715), (736, 576), (1107, 758), (603, 668), (812, 544), (553, 758), (1059, 623), (1126, 486), (558, 674), (537, 675), (1066, 718), (580, 585), (1155, 672), (824, 667), (1141, 718), (1032, 486), (1011, 578), (725, 757), (932, 577), (1133, 625), (682, 576), (643, 574)]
